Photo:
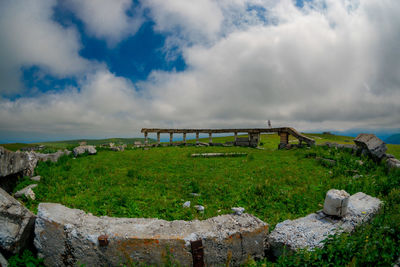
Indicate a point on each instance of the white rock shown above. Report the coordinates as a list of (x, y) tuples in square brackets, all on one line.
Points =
[(186, 204), (3, 261), (199, 207), (36, 178), (27, 192), (238, 210), (336, 202)]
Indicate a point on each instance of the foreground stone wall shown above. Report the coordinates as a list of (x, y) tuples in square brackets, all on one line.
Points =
[(66, 236)]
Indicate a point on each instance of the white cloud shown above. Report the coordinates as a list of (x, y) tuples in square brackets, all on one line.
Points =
[(30, 37), (330, 66), (106, 19)]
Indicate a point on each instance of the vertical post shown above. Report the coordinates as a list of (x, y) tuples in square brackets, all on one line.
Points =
[(158, 138), (197, 138), (210, 138), (235, 137), (184, 138), (145, 138), (170, 138), (284, 139)]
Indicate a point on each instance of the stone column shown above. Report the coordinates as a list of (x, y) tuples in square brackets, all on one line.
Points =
[(235, 136), (197, 137), (170, 138), (145, 138), (210, 138), (184, 138), (158, 138)]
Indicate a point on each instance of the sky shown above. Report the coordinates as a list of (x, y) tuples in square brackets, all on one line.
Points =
[(99, 68)]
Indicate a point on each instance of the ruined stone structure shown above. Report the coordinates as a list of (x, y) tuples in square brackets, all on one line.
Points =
[(252, 139)]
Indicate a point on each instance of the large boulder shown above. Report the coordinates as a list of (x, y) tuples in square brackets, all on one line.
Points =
[(371, 144), (66, 236), (16, 224), (309, 232), (14, 162), (82, 149)]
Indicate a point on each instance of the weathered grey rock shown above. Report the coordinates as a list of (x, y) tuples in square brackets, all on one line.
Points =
[(393, 163), (27, 192), (336, 202), (372, 144), (66, 236), (16, 224), (238, 210), (309, 232), (15, 162), (195, 194), (213, 155), (36, 178), (82, 149), (52, 156), (186, 204), (3, 261)]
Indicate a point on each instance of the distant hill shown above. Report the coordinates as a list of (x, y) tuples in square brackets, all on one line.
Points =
[(393, 139)]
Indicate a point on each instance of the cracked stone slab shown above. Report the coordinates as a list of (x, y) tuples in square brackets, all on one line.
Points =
[(65, 236), (309, 232), (16, 224)]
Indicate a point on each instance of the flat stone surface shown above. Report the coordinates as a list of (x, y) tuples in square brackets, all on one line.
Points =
[(309, 232), (16, 224), (66, 236)]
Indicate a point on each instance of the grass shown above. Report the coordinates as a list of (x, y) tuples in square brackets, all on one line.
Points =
[(272, 184)]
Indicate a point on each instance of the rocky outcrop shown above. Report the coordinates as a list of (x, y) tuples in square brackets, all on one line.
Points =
[(66, 236), (91, 150), (309, 232), (372, 145), (16, 224)]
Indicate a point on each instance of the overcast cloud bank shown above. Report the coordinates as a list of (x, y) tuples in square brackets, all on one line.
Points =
[(329, 65)]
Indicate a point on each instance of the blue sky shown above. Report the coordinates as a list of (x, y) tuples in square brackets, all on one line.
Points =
[(95, 69)]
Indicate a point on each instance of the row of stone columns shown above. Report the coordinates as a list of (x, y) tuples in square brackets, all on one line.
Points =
[(284, 137)]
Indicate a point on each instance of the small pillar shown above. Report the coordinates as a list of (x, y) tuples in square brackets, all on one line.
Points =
[(235, 137), (171, 135), (197, 137), (284, 139), (210, 138), (184, 138), (145, 138), (158, 138)]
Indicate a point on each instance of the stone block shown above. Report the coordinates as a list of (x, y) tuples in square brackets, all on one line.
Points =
[(309, 232), (66, 236), (16, 224), (336, 202), (371, 144)]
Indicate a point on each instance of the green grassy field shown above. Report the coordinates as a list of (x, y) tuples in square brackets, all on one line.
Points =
[(272, 184)]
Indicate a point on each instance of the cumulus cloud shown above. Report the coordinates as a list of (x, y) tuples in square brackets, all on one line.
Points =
[(30, 37), (330, 65), (106, 19)]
